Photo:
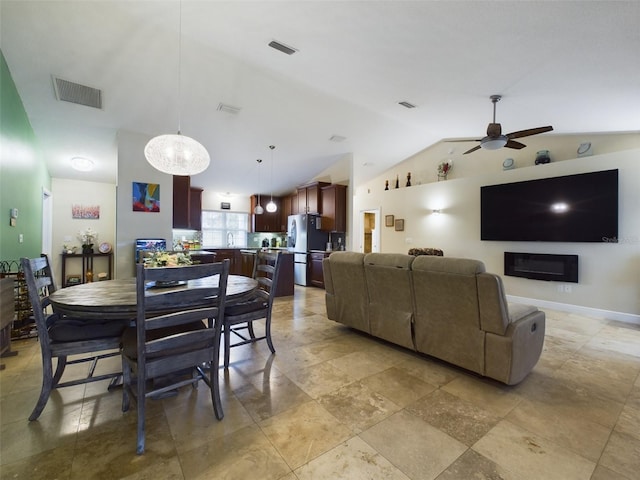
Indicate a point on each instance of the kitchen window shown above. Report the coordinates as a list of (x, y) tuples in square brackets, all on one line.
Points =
[(224, 229)]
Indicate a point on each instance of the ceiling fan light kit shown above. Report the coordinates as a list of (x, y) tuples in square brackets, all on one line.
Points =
[(495, 140)]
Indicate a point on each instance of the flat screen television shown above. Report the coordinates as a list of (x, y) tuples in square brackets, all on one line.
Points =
[(571, 208)]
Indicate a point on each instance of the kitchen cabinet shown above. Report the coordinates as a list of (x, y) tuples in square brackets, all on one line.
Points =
[(334, 208), (187, 204), (234, 256), (268, 221), (316, 275), (309, 197)]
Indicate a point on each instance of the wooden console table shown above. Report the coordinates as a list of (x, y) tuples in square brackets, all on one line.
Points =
[(87, 264)]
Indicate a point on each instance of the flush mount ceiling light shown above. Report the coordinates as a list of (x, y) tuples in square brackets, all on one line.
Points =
[(271, 207), (177, 154), (258, 210), (82, 164)]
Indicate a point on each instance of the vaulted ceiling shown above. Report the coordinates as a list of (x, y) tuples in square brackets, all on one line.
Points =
[(573, 65)]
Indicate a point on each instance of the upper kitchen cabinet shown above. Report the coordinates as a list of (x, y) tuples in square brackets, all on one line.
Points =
[(187, 204), (334, 208), (310, 197), (267, 222)]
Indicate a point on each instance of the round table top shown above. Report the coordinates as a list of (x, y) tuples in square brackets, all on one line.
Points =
[(116, 299)]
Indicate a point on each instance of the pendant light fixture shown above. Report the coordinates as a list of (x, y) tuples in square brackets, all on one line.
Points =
[(271, 206), (177, 154), (258, 210)]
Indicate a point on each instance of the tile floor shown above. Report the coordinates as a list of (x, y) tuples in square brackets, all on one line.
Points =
[(337, 404)]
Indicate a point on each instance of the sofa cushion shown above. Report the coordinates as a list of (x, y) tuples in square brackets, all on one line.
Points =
[(390, 299)]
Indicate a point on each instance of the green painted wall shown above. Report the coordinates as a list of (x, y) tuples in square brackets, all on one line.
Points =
[(23, 174)]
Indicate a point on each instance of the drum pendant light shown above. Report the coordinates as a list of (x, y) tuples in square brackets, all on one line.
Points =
[(271, 206), (177, 154)]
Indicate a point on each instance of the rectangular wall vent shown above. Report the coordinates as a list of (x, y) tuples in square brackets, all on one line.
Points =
[(228, 109), (282, 47), (407, 104), (67, 91)]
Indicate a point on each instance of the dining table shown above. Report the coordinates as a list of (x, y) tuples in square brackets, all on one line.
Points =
[(116, 299)]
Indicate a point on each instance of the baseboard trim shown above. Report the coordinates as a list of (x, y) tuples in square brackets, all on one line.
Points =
[(588, 311)]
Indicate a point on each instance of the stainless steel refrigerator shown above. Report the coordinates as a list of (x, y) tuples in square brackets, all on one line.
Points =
[(304, 235)]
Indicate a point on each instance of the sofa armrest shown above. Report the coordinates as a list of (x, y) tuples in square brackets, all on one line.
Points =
[(510, 357), (329, 292)]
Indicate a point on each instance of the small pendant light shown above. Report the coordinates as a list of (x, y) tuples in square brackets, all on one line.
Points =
[(271, 206), (258, 210)]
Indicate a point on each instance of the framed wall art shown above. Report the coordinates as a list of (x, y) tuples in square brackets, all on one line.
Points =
[(85, 212), (388, 220), (399, 225), (146, 197)]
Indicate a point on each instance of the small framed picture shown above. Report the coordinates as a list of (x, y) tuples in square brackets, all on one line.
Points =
[(399, 225), (73, 280), (388, 220)]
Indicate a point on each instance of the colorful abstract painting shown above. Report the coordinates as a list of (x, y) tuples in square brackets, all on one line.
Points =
[(146, 197), (91, 212)]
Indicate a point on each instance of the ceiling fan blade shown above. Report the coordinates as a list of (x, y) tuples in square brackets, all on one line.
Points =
[(514, 144), (477, 147), (529, 132), (464, 140)]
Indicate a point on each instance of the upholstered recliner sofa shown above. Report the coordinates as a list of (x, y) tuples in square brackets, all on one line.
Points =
[(449, 308)]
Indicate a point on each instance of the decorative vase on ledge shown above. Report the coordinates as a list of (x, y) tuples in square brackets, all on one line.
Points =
[(88, 248)]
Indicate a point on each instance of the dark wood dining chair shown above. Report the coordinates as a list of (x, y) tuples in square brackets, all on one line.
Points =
[(61, 337), (239, 318), (171, 337)]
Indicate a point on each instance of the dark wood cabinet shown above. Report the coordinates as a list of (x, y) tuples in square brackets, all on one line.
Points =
[(334, 208), (234, 256), (268, 221), (187, 204), (316, 276), (310, 197)]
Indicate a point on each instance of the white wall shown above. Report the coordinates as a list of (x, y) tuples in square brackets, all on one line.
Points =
[(609, 272), (65, 229), (133, 167)]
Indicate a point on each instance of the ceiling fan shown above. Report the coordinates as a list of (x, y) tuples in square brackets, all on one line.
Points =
[(495, 140)]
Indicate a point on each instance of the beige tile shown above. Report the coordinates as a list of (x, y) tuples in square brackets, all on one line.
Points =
[(360, 364), (277, 394), (603, 473), (573, 431), (166, 470), (109, 450), (568, 398), (246, 453), (472, 465), (357, 406), (629, 422), (47, 465), (415, 447), (618, 339), (430, 370), (458, 418), (192, 420), (398, 386), (353, 459), (531, 456), (21, 439), (488, 394), (321, 379), (304, 432), (622, 455)]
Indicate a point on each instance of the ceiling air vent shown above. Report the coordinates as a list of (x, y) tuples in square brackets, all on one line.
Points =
[(407, 104), (222, 107), (282, 47), (67, 91), (337, 138)]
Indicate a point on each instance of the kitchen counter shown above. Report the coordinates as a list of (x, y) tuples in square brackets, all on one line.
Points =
[(285, 280)]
